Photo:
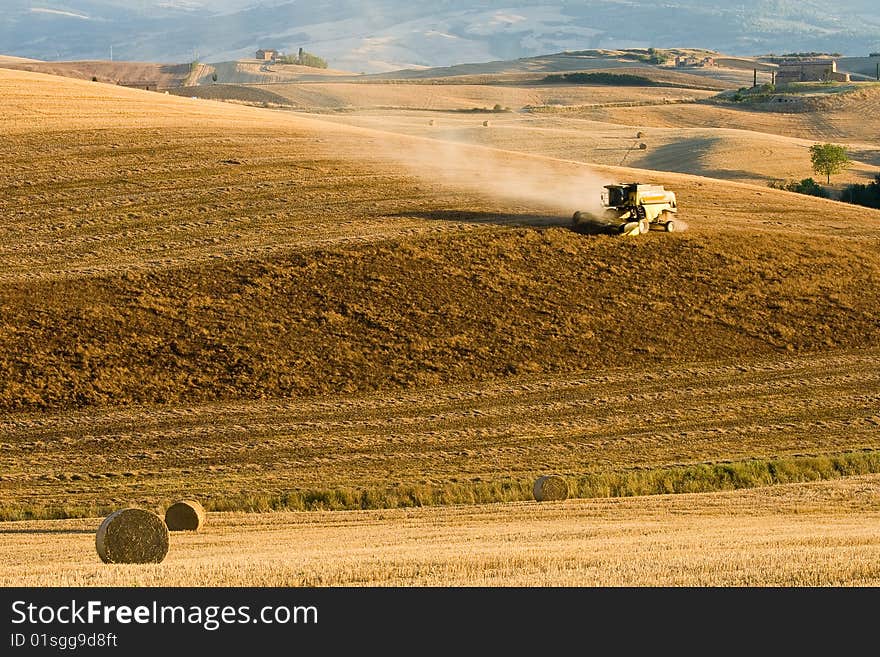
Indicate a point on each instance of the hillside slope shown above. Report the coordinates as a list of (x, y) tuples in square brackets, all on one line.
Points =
[(160, 249), (678, 144), (160, 75), (843, 118), (255, 72)]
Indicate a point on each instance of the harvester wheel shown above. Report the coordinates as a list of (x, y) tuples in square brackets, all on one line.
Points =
[(644, 226), (576, 217), (670, 226)]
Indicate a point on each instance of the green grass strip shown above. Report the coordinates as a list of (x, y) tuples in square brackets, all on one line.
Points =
[(696, 478)]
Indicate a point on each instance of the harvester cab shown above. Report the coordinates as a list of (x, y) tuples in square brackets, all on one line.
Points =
[(632, 208)]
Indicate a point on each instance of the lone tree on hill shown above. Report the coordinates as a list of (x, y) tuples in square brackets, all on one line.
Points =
[(828, 159)]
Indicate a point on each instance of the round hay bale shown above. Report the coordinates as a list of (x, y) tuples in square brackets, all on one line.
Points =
[(486, 124), (550, 488), (132, 536), (432, 122), (643, 146), (185, 515), (640, 134)]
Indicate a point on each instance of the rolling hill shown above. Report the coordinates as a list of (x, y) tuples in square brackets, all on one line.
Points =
[(229, 195), (125, 73), (241, 302), (389, 34)]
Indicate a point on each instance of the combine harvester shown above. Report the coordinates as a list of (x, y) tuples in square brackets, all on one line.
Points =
[(631, 209)]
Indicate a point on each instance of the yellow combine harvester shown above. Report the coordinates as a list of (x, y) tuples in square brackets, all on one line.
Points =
[(631, 209)]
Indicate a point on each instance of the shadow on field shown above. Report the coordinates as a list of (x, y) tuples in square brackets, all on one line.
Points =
[(866, 155), (688, 157), (595, 227), (478, 217)]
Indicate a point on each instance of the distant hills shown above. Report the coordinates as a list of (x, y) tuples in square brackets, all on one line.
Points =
[(385, 35)]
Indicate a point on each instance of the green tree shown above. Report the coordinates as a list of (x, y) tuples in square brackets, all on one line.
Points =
[(308, 59), (828, 159)]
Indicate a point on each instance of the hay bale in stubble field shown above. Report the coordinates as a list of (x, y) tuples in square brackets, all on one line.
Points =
[(550, 488), (185, 515), (132, 536), (486, 124)]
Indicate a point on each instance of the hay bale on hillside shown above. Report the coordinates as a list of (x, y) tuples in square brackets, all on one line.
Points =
[(550, 488), (640, 134), (432, 122), (486, 124), (132, 536), (185, 515)]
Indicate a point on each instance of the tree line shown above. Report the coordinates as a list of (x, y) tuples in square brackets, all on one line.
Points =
[(829, 160)]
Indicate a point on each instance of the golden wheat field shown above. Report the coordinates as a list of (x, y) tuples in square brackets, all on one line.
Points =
[(268, 309), (821, 534)]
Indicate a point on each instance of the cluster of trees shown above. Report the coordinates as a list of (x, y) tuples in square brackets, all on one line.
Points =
[(830, 159), (867, 195), (304, 59), (811, 54), (653, 56), (759, 93), (806, 186)]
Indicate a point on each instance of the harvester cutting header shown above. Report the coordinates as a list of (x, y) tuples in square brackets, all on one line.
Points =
[(632, 208)]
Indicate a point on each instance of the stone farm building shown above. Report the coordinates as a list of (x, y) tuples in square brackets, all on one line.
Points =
[(267, 55), (809, 70)]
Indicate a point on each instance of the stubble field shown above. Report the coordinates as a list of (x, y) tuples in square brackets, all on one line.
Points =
[(821, 534)]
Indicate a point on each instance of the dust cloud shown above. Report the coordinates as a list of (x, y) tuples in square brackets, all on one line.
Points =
[(541, 184)]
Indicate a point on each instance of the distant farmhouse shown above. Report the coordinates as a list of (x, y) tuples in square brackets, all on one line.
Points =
[(690, 61), (303, 58), (268, 55), (809, 70)]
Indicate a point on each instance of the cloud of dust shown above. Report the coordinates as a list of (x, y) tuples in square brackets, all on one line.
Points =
[(542, 184)]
